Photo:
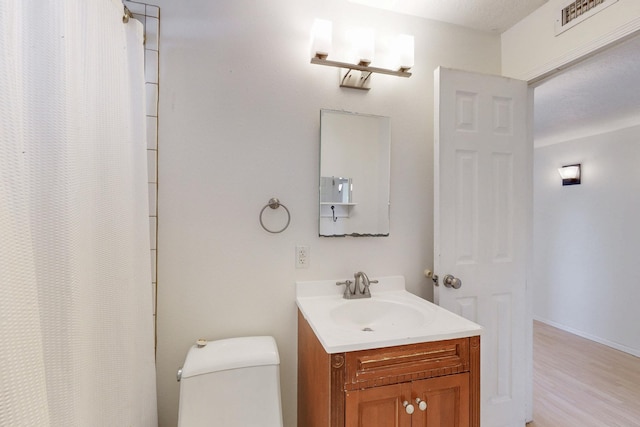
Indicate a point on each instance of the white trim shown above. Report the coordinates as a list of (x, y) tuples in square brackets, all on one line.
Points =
[(616, 346), (529, 268), (618, 35)]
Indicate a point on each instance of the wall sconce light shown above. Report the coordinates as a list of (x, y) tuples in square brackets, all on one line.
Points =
[(363, 44), (404, 50), (570, 174), (321, 34), (364, 49)]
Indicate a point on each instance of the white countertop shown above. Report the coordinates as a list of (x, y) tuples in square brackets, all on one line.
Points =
[(320, 301)]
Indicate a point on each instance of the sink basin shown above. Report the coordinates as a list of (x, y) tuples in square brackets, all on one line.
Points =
[(392, 316), (370, 315)]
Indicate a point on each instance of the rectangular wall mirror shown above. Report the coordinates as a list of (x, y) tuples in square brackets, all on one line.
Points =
[(355, 175)]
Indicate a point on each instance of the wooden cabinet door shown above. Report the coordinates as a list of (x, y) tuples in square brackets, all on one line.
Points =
[(447, 401), (378, 406)]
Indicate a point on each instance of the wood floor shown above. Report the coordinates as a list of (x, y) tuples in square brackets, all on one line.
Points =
[(577, 382)]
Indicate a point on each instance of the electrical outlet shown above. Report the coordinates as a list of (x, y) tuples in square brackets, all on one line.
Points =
[(302, 256)]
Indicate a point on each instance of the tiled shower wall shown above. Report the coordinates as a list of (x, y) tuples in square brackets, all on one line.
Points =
[(150, 17)]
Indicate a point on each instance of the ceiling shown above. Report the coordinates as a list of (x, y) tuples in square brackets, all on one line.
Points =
[(600, 94), (485, 15)]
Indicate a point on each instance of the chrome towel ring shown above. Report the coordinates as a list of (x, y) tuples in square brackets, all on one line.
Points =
[(275, 204)]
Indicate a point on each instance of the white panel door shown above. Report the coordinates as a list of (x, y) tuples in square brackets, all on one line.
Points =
[(483, 193)]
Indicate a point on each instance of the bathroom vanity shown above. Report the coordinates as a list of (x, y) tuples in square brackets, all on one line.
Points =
[(380, 366)]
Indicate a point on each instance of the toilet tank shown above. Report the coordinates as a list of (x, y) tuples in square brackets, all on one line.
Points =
[(231, 382)]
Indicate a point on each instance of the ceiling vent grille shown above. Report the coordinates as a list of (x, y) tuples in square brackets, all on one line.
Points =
[(579, 10)]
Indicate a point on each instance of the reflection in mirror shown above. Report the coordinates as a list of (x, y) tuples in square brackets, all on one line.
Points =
[(335, 189), (354, 174)]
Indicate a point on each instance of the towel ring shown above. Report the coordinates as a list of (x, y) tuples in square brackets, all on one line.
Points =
[(275, 204)]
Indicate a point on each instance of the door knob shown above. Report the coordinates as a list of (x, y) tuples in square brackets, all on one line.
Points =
[(408, 407), (451, 282)]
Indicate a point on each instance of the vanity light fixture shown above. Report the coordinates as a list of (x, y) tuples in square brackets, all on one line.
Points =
[(570, 174), (364, 49)]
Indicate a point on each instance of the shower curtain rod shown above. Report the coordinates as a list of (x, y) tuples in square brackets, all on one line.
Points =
[(127, 14)]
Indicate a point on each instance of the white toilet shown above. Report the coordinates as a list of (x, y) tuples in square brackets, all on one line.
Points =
[(231, 383)]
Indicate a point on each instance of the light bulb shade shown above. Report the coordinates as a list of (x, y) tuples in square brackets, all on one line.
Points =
[(321, 38), (404, 50), (363, 44), (570, 174)]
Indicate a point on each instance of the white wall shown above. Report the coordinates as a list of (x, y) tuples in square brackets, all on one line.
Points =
[(531, 49), (587, 239), (240, 106)]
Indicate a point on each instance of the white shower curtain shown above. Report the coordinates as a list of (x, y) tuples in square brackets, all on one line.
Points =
[(76, 320)]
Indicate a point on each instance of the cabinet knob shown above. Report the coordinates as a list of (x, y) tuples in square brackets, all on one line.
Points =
[(422, 405), (408, 407)]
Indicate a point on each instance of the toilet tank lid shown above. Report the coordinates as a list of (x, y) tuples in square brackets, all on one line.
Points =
[(231, 353)]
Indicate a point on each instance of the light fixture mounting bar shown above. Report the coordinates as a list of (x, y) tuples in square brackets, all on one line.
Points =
[(366, 68)]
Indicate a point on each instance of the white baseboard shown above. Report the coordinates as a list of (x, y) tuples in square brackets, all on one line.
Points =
[(599, 340)]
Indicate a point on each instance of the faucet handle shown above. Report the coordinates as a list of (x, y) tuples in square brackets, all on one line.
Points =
[(347, 288), (366, 282)]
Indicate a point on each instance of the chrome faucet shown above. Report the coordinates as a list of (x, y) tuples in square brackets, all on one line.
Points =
[(360, 287)]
